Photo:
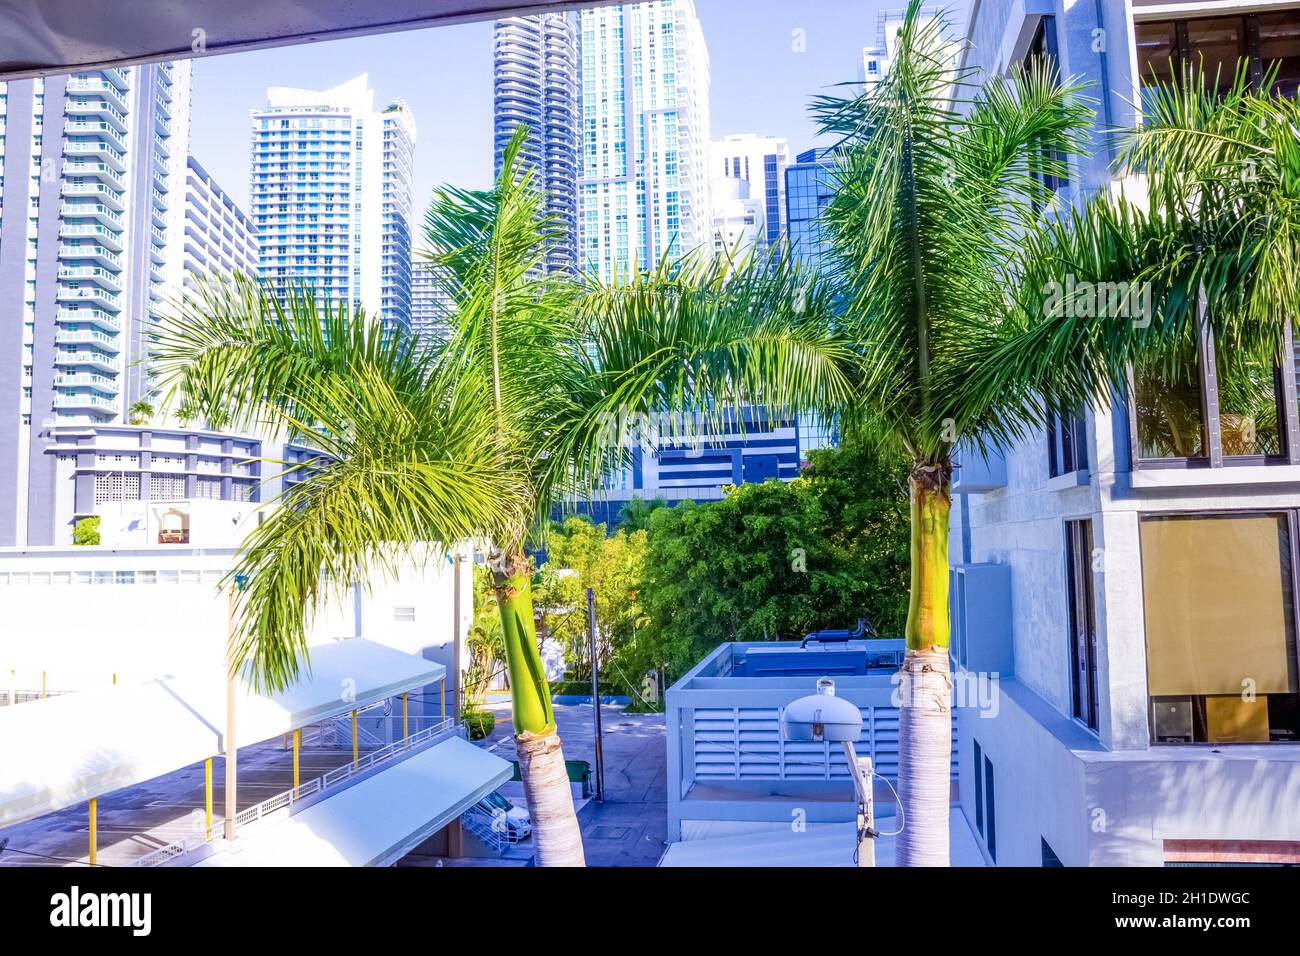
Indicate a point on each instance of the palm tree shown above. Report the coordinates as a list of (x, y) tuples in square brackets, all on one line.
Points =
[(946, 246), (535, 392)]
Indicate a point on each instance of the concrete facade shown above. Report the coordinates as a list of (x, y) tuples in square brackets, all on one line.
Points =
[(1108, 794)]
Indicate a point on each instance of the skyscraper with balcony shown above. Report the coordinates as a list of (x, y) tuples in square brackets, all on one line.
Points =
[(219, 237), (430, 303), (93, 171), (645, 135), (535, 83), (331, 196)]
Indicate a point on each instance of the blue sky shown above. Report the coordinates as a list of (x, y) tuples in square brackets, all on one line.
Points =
[(761, 82)]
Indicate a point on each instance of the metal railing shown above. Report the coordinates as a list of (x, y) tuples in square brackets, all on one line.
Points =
[(285, 800), (479, 824)]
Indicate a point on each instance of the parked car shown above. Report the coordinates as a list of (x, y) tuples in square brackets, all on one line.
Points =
[(503, 817)]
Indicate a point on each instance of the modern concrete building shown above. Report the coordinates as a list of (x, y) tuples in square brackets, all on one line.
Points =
[(761, 162), (219, 236), (876, 59), (738, 218), (93, 206), (1130, 572), (331, 196), (645, 136), (535, 83)]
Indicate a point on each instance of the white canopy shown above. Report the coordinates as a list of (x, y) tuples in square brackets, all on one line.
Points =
[(64, 750), (379, 819)]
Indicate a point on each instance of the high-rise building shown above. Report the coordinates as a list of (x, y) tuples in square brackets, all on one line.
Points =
[(760, 161), (535, 83), (645, 135), (738, 218), (331, 196), (219, 236), (93, 196), (809, 185), (430, 302), (877, 59)]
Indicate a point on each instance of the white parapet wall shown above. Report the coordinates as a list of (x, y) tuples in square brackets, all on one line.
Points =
[(86, 617)]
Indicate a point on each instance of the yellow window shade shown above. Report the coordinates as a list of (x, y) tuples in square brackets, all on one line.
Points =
[(1217, 598)]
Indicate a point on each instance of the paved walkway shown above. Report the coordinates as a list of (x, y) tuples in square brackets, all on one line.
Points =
[(630, 826)]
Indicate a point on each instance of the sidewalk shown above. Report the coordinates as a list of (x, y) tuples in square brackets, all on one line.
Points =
[(629, 828)]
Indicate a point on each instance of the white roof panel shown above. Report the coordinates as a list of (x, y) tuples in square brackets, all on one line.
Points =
[(379, 819), (64, 750)]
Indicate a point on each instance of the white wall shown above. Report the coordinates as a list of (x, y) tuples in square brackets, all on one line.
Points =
[(70, 615)]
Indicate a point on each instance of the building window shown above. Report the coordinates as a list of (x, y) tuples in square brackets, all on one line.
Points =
[(1266, 41), (978, 764), (1067, 445), (1043, 50), (1083, 629), (991, 836), (1219, 602), (1199, 404)]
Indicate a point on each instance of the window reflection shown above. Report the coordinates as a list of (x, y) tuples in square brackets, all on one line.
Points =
[(1167, 405), (1248, 404), (1279, 45)]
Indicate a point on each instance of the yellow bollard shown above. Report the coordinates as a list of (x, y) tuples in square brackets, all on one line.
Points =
[(442, 696), (354, 736), (42, 685), (297, 745), (94, 822), (207, 799), (405, 733)]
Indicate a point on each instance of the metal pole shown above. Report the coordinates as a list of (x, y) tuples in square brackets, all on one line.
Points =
[(405, 732), (231, 744), (297, 746), (456, 676), (860, 768), (207, 800), (354, 736), (595, 696)]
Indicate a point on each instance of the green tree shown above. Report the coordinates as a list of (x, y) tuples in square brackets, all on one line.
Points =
[(140, 413), (581, 555), (776, 560), (86, 531), (530, 401)]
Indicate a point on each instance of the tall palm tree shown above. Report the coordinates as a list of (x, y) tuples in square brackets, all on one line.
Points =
[(946, 246), (534, 394)]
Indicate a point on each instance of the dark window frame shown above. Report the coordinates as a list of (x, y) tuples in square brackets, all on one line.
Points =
[(1044, 43), (1293, 529), (1207, 374), (1085, 696), (1067, 444)]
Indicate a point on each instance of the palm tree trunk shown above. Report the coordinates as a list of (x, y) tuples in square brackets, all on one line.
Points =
[(541, 757), (924, 716)]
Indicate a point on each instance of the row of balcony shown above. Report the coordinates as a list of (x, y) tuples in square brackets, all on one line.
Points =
[(90, 250), (98, 148), (102, 171), (87, 84), (107, 279), (100, 128), (69, 358), (89, 210)]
